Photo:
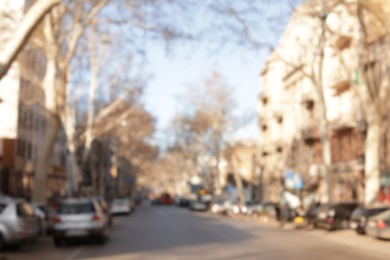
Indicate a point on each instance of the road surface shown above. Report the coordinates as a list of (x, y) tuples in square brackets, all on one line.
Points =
[(167, 232)]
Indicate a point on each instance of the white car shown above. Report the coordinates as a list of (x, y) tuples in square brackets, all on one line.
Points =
[(121, 206), (217, 207), (80, 218), (198, 205)]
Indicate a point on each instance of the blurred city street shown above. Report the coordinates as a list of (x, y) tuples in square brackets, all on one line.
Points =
[(158, 232)]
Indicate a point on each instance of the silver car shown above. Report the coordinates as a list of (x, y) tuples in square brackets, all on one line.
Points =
[(121, 206), (378, 226), (80, 218), (18, 223)]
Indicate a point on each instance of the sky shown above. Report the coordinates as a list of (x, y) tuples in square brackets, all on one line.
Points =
[(170, 76)]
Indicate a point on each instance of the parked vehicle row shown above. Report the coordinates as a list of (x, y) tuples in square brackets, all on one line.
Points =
[(22, 222), (373, 221), (18, 222)]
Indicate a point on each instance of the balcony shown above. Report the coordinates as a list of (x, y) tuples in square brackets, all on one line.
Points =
[(310, 131), (308, 100), (341, 87), (264, 98), (343, 42)]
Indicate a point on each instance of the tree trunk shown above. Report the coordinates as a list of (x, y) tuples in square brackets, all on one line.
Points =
[(101, 179), (46, 150), (372, 160), (326, 154), (74, 177), (240, 188), (52, 127), (91, 108), (23, 32), (324, 126), (68, 120)]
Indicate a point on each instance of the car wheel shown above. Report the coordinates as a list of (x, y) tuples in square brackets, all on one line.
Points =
[(57, 241), (2, 243), (102, 239)]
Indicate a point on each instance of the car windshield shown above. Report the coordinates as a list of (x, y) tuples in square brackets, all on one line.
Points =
[(357, 212), (76, 208), (2, 207), (120, 202)]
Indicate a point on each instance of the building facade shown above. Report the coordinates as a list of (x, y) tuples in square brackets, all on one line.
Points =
[(23, 124), (289, 111)]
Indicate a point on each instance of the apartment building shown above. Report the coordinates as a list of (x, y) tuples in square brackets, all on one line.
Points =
[(23, 124), (289, 111), (244, 162)]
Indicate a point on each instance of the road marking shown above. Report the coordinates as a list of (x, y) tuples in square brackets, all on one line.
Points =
[(74, 253)]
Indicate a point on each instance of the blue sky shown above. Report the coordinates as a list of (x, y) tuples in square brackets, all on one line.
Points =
[(171, 74)]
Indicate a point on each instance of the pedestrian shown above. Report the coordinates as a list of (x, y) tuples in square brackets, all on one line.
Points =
[(278, 211), (285, 214)]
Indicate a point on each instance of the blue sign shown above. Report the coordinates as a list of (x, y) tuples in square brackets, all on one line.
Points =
[(128, 179), (289, 180), (230, 189), (298, 181)]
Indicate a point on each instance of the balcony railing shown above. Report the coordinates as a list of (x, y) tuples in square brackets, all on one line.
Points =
[(310, 130)]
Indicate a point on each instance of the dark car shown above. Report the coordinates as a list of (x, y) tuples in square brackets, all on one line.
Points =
[(335, 216), (183, 202), (49, 215), (360, 215), (164, 199), (311, 214)]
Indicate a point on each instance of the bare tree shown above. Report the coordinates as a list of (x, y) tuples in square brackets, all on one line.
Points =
[(30, 21), (369, 77), (60, 43)]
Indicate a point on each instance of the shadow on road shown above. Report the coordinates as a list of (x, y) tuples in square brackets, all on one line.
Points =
[(162, 229)]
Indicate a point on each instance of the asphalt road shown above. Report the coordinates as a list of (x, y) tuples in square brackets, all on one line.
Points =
[(159, 232)]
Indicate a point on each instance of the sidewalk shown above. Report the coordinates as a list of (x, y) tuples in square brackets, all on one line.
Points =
[(346, 237)]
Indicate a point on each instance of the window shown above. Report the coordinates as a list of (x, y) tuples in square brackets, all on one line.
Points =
[(29, 151), (24, 210), (309, 104), (2, 207), (82, 208), (22, 148)]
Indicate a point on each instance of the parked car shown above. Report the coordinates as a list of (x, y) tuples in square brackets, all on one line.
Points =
[(198, 205), (166, 199), (378, 226), (156, 201), (310, 214), (262, 209), (80, 218), (360, 215), (18, 222), (49, 217), (106, 209), (121, 206), (41, 217), (333, 217), (182, 202), (217, 207)]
